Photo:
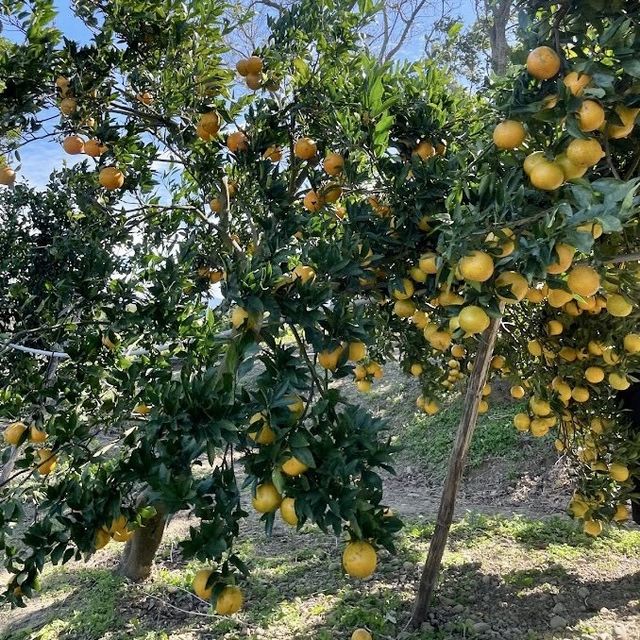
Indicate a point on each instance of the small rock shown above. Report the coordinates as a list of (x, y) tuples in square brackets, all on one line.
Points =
[(557, 622), (481, 627), (620, 633), (408, 566), (447, 602), (486, 579), (559, 609), (459, 608), (583, 592), (425, 627)]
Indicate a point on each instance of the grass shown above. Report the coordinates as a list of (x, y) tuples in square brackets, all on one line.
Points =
[(429, 439)]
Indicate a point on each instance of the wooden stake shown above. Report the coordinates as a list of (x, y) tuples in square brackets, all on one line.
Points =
[(454, 474)]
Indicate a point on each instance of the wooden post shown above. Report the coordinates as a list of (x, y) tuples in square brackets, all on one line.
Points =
[(467, 425)]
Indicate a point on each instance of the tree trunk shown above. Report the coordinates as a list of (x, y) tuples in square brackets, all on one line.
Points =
[(501, 11), (140, 550), (454, 474)]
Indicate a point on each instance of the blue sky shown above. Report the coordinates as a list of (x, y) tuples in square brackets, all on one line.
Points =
[(39, 158)]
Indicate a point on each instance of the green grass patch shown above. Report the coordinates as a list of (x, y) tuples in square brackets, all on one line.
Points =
[(429, 439)]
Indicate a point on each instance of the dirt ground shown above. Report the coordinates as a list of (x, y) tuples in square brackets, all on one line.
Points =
[(516, 568)]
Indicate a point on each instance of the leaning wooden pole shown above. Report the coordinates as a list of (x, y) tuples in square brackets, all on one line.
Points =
[(454, 473)]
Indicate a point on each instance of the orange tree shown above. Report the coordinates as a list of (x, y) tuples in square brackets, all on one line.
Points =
[(185, 181)]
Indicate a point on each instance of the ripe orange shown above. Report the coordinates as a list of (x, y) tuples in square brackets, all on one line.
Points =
[(577, 82), (146, 98), (357, 351), (571, 171), (265, 434), (509, 134), (619, 381), (288, 511), (305, 149), (404, 290), (592, 528), (622, 513), (404, 308), (273, 153), (416, 369), (229, 601), (517, 392), (565, 255), (237, 142), (428, 263), (293, 467), (594, 375), (267, 498), (242, 67), (522, 422), (14, 432), (543, 63), (515, 283), (590, 116), (253, 82), (424, 150), (199, 584), (632, 343), (504, 241), (555, 328), (359, 559), (476, 266), (37, 435), (312, 201), (361, 634), (532, 160), (628, 117), (619, 472), (102, 539), (48, 461), (585, 153), (68, 106), (580, 394), (431, 407), (7, 176), (254, 65), (73, 145), (210, 122), (94, 148), (547, 176), (618, 306), (328, 359), (583, 280), (111, 178), (534, 348), (439, 340), (473, 319), (333, 164)]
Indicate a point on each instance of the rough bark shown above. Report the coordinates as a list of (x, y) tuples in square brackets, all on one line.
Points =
[(140, 550), (454, 474), (501, 12)]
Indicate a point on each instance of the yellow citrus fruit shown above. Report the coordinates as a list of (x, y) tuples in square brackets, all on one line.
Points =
[(473, 319), (428, 263), (7, 176), (476, 266), (14, 432), (578, 507), (288, 511), (509, 134), (458, 351), (517, 392), (584, 281), (293, 467), (555, 328), (267, 498), (431, 407), (418, 275), (210, 122), (48, 461), (592, 528), (265, 434), (539, 406), (628, 117), (101, 539), (565, 255), (304, 273), (522, 422), (312, 201), (543, 63), (111, 178), (440, 340), (619, 381), (68, 106), (483, 407), (534, 348), (254, 65), (404, 308), (94, 148), (199, 584), (536, 295), (580, 394), (577, 82), (619, 472), (361, 634), (622, 513), (568, 353), (424, 150), (273, 153), (405, 291), (238, 317), (632, 343), (416, 369), (558, 298), (532, 160), (357, 351), (539, 428), (359, 559), (594, 375), (585, 153), (547, 176), (329, 358), (516, 284), (450, 299), (37, 435), (253, 81), (237, 142), (73, 145), (504, 241), (364, 386), (591, 116), (229, 601), (618, 306), (333, 164), (571, 171), (305, 148)]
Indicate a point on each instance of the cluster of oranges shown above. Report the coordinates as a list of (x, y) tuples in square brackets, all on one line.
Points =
[(547, 174), (17, 433)]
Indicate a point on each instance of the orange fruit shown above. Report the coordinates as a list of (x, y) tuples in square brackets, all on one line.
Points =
[(312, 201), (253, 82), (37, 435), (242, 67), (361, 634), (473, 319), (199, 584), (583, 280), (509, 134), (328, 359), (273, 153), (424, 150), (237, 142), (48, 461), (590, 116), (14, 432), (543, 63), (7, 176), (333, 164), (618, 306), (577, 82), (532, 160), (288, 511), (571, 171), (359, 559), (210, 122), (585, 153), (254, 65), (73, 145), (547, 176), (305, 149), (111, 178), (229, 601), (267, 498), (565, 255), (94, 148), (68, 106), (476, 266), (293, 467), (515, 283)]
